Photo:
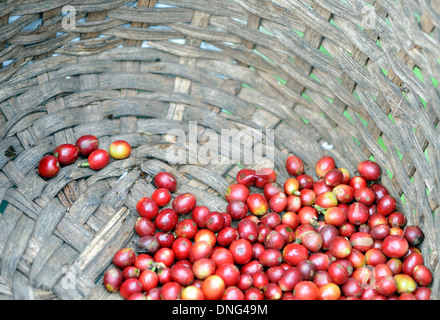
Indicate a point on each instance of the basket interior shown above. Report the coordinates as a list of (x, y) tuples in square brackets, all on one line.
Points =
[(352, 79)]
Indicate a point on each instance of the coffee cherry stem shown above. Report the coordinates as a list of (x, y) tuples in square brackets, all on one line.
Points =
[(320, 209), (314, 223), (159, 266), (83, 164)]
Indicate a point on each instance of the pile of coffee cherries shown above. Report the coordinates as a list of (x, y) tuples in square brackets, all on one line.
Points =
[(86, 146), (332, 237)]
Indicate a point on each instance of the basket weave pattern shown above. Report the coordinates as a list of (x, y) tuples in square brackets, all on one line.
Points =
[(309, 70)]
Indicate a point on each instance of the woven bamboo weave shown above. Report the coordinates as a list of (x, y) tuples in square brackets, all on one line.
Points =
[(346, 78)]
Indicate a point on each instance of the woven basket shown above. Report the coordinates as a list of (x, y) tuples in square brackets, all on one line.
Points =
[(344, 78)]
